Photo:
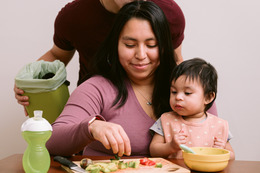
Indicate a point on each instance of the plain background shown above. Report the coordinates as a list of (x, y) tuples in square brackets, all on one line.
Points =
[(224, 32)]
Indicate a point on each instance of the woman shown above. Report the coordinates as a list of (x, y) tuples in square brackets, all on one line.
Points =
[(111, 112)]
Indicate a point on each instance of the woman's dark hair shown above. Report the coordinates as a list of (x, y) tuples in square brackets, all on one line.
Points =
[(199, 69), (106, 61)]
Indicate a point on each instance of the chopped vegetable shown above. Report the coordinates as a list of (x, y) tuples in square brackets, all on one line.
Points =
[(122, 165), (116, 164), (114, 161), (112, 167), (85, 162), (103, 167), (158, 165), (133, 164), (93, 168), (147, 162)]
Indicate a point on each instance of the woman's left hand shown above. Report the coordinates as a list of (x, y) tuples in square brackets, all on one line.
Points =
[(111, 136)]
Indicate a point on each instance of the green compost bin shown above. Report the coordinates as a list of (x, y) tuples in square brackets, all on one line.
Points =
[(46, 86)]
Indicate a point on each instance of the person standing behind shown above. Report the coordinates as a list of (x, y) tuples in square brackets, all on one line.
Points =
[(111, 112), (193, 91), (82, 25)]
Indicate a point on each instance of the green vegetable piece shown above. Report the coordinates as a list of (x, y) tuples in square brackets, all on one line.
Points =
[(122, 165), (101, 164), (112, 167), (136, 165), (93, 168), (105, 170), (158, 165), (114, 161), (133, 164)]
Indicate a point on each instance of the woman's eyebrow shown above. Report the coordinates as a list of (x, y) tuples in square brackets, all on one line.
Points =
[(133, 39), (128, 38)]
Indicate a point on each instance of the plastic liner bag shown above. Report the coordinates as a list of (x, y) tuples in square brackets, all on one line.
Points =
[(46, 86)]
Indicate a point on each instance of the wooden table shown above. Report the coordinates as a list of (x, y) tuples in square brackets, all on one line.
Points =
[(13, 164)]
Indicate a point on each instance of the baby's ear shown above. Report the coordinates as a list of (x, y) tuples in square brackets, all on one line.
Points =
[(210, 97)]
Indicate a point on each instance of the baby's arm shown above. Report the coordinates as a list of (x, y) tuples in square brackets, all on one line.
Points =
[(219, 143), (159, 148), (232, 153)]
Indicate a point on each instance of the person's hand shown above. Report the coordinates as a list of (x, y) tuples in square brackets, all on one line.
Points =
[(111, 136), (179, 138), (22, 100), (219, 143)]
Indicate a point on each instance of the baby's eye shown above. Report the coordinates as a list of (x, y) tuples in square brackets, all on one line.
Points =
[(188, 93), (174, 92)]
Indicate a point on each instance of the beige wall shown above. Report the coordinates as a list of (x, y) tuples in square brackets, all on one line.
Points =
[(225, 33)]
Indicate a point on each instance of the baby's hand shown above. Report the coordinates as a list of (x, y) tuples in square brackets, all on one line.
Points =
[(179, 138), (219, 143)]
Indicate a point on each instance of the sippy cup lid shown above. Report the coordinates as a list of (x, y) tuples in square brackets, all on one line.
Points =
[(36, 123)]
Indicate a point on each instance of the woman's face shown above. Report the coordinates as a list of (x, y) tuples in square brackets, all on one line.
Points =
[(138, 49)]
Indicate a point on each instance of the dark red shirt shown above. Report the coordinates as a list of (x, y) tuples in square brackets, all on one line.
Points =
[(84, 24)]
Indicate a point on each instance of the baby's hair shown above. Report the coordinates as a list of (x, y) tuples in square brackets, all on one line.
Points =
[(198, 69)]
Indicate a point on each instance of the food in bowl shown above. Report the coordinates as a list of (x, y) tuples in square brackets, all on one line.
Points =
[(206, 159)]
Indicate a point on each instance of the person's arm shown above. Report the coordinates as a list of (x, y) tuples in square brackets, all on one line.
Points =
[(160, 148), (220, 143), (53, 54), (112, 136), (73, 129), (178, 55), (229, 148), (56, 53)]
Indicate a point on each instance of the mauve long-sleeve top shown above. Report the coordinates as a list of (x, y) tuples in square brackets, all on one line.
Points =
[(95, 97)]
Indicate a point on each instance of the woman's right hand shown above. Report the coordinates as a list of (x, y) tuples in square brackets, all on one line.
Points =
[(111, 136), (22, 100)]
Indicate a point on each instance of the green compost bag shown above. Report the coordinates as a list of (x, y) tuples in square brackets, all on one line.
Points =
[(46, 86)]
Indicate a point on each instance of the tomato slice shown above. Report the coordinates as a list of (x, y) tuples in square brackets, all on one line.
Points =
[(147, 162), (151, 163), (143, 161)]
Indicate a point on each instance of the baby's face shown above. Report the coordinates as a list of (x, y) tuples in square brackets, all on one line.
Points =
[(187, 97)]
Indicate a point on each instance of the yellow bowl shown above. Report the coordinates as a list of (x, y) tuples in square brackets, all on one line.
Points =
[(207, 159)]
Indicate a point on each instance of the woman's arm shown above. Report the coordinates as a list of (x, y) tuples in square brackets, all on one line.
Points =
[(72, 130)]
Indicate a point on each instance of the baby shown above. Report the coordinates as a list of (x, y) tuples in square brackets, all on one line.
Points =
[(193, 91)]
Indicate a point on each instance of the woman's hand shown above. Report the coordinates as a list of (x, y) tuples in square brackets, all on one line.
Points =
[(22, 100), (219, 143), (111, 136)]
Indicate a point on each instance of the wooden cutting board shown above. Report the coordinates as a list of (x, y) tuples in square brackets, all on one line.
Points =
[(168, 167)]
